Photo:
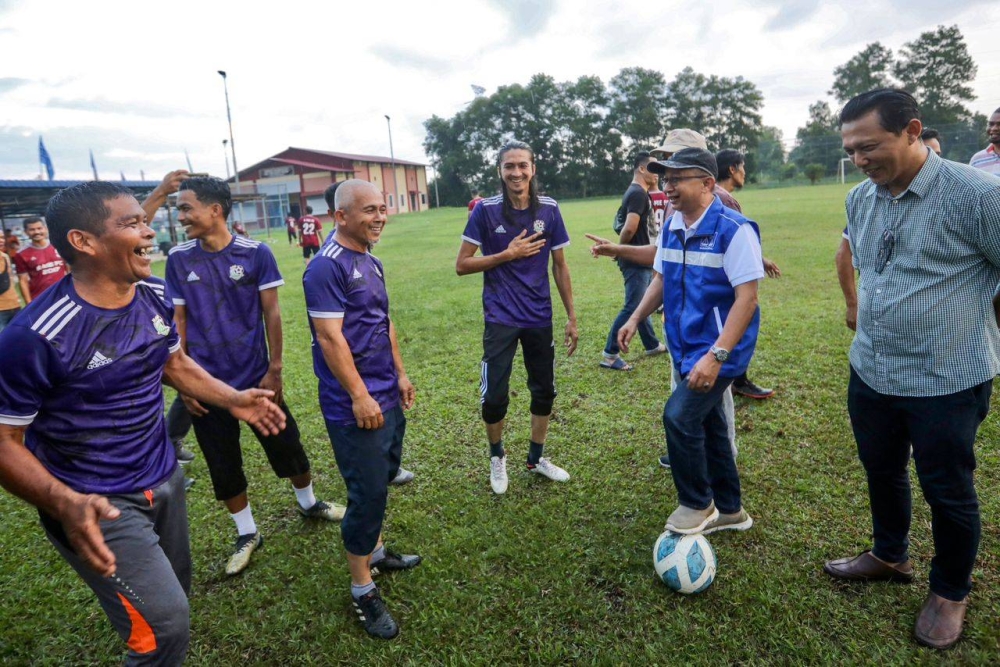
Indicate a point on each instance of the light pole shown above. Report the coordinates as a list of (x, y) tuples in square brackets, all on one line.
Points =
[(392, 156), (225, 155), (232, 147)]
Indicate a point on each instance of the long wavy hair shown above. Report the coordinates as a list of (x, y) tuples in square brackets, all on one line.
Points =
[(533, 203)]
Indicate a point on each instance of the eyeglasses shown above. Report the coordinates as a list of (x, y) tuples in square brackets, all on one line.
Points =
[(674, 180), (885, 250)]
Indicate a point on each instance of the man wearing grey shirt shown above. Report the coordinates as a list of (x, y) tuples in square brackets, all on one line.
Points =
[(925, 236)]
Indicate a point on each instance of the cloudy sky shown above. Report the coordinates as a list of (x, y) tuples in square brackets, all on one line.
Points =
[(137, 83)]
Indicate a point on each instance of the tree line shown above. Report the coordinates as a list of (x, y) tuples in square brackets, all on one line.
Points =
[(585, 131)]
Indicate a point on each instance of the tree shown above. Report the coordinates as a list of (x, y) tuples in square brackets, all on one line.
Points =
[(938, 70), (819, 141), (868, 69), (767, 159), (814, 172), (788, 171), (638, 106), (589, 138), (725, 110)]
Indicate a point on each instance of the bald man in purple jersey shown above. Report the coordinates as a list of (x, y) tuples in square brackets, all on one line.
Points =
[(82, 435)]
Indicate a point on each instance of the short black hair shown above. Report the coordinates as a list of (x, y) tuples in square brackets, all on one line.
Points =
[(930, 133), (32, 220), (210, 190), (895, 107), (726, 159), (80, 207), (641, 159), (309, 209), (330, 196)]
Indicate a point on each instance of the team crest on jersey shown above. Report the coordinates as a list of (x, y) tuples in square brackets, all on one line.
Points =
[(707, 243), (539, 226), (160, 326), (236, 272)]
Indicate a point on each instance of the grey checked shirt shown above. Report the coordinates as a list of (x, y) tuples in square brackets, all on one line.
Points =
[(925, 323)]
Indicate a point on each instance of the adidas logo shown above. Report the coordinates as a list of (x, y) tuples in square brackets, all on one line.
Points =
[(193, 277), (357, 275), (97, 361), (499, 230)]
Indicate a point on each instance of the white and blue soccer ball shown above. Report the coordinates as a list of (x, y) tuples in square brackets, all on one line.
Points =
[(685, 563)]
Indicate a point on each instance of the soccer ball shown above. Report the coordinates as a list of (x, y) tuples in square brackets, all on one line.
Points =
[(685, 563)]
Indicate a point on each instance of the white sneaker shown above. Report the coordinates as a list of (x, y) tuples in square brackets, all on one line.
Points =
[(498, 474), (547, 468)]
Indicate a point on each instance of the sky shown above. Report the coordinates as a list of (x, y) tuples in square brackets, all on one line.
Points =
[(137, 82)]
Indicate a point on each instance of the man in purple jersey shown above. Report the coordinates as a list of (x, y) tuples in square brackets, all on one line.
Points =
[(225, 294), (517, 231), (82, 436), (363, 387)]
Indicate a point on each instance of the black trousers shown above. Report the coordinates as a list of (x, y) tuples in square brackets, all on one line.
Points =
[(942, 432)]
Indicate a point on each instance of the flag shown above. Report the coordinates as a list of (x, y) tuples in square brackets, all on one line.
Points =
[(45, 159), (478, 90), (142, 175), (123, 174), (93, 166), (188, 158)]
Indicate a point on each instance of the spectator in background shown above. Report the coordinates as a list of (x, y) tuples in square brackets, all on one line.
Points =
[(931, 139), (988, 159), (290, 227), (39, 266), (10, 304), (476, 198), (639, 223), (732, 177), (13, 244), (310, 234)]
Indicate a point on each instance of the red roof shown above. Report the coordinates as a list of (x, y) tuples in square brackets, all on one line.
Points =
[(320, 160)]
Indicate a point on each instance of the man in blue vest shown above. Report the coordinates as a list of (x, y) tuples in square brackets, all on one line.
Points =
[(707, 266)]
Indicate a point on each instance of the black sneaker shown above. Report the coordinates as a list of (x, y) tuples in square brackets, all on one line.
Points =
[(750, 390), (665, 462), (394, 561), (188, 483), (374, 616), (184, 455)]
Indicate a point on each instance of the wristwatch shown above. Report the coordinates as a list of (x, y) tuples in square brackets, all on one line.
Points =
[(721, 355)]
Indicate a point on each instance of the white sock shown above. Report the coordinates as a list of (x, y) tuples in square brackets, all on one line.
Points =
[(305, 496), (244, 521)]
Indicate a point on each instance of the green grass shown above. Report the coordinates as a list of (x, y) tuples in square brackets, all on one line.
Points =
[(551, 573)]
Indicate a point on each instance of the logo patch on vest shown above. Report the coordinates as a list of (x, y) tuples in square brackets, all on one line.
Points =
[(707, 243)]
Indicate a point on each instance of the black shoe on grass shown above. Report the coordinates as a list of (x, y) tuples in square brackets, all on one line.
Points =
[(394, 561), (749, 389), (374, 616)]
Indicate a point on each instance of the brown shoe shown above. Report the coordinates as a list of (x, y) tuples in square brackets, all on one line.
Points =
[(866, 567), (939, 624)]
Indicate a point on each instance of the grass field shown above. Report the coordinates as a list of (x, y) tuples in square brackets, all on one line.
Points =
[(551, 573)]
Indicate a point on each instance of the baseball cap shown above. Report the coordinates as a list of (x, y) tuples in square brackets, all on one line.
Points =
[(687, 158), (680, 139)]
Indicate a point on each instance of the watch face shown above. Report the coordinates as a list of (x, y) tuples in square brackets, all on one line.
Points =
[(720, 354)]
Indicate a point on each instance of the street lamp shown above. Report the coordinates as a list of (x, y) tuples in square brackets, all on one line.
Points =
[(392, 156), (225, 155), (232, 146)]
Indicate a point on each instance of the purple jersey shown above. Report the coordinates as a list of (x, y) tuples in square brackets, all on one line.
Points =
[(516, 294), (221, 292), (86, 382), (344, 284)]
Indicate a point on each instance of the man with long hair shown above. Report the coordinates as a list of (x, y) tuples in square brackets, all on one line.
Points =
[(517, 232)]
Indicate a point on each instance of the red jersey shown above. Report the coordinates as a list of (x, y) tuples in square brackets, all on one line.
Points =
[(43, 266), (472, 204), (310, 227), (660, 203)]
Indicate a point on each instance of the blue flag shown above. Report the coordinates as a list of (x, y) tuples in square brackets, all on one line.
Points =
[(93, 166), (44, 159)]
